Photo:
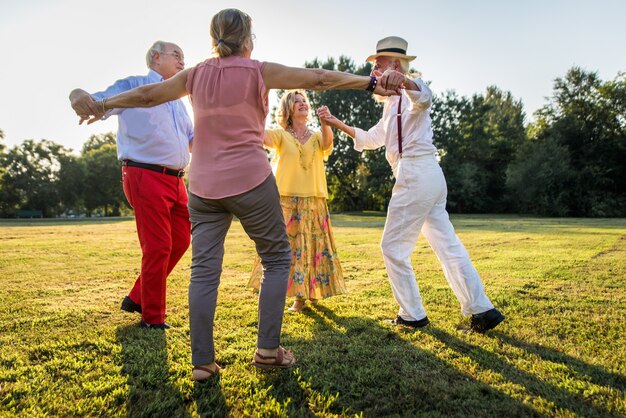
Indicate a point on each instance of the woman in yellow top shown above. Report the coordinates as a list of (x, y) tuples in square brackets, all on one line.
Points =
[(315, 269)]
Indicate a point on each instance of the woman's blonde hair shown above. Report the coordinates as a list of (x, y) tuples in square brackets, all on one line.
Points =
[(231, 32), (286, 105)]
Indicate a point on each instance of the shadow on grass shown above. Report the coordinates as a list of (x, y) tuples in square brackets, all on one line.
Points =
[(209, 398), (564, 400), (357, 365), (153, 390), (595, 374)]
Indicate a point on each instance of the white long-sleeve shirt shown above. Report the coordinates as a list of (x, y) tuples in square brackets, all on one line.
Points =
[(417, 133)]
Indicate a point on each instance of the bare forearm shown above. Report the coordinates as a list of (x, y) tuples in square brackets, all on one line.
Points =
[(151, 94), (327, 136), (277, 76), (345, 128), (336, 80), (139, 97)]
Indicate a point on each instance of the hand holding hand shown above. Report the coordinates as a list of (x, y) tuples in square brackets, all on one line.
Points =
[(326, 118), (392, 80), (100, 112), (85, 106)]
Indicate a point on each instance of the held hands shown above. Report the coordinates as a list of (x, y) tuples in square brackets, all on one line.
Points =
[(85, 106), (390, 83), (326, 118)]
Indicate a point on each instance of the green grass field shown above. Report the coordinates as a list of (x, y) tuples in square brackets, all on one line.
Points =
[(66, 349)]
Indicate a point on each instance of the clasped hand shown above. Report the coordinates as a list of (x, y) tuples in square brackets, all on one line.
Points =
[(392, 80), (85, 106), (323, 113)]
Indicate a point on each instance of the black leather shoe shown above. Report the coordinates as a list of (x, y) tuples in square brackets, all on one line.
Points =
[(163, 325), (414, 324), (129, 306), (485, 321)]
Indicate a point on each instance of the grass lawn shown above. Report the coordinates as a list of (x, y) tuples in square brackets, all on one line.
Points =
[(66, 349)]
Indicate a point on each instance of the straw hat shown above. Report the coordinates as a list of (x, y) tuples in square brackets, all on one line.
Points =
[(391, 46)]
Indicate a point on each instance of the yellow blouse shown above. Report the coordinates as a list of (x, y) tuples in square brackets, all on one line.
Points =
[(299, 168)]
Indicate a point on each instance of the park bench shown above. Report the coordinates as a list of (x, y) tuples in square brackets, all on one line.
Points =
[(29, 214)]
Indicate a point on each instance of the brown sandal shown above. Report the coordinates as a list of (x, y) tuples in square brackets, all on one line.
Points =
[(274, 362), (298, 306), (210, 372)]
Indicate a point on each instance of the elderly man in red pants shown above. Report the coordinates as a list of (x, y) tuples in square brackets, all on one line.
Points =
[(153, 145)]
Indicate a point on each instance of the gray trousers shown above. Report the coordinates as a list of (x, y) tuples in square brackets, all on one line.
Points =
[(262, 219)]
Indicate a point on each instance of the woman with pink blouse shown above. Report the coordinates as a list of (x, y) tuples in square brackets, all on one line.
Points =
[(230, 174)]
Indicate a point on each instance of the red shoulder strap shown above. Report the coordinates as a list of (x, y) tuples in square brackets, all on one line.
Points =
[(399, 118)]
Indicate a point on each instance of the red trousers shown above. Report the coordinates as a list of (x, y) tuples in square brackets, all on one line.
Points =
[(160, 204)]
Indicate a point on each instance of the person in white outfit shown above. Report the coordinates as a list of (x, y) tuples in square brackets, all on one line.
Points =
[(418, 199)]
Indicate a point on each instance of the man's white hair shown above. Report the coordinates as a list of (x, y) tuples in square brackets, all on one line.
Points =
[(158, 46)]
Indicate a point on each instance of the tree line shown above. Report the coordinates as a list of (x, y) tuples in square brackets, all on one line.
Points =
[(43, 178), (569, 161)]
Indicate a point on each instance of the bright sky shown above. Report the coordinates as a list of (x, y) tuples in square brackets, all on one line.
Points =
[(50, 47)]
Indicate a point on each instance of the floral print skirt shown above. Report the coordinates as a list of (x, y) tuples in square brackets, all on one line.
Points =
[(315, 269)]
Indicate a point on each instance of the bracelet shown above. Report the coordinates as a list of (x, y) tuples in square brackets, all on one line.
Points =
[(372, 85), (103, 102)]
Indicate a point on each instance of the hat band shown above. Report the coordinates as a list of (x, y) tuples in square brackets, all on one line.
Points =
[(398, 50)]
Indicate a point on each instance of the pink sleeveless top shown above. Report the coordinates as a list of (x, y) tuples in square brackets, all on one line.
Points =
[(230, 104)]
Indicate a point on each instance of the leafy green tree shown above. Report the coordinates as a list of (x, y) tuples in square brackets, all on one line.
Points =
[(459, 136), (507, 132), (478, 137), (542, 178), (71, 184), (356, 180), (102, 180), (4, 196), (2, 148), (585, 116), (31, 177), (97, 141)]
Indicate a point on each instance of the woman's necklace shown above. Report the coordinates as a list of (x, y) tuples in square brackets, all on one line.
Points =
[(300, 138), (305, 165)]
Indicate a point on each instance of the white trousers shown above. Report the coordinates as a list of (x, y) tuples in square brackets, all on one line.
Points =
[(418, 204)]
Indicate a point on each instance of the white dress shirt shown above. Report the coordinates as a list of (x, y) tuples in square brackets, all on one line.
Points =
[(417, 133)]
